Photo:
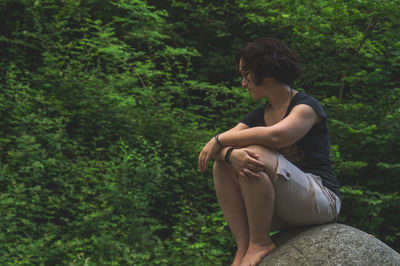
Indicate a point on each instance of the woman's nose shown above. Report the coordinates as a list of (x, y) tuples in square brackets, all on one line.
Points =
[(244, 83)]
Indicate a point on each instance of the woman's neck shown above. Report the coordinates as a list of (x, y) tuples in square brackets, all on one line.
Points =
[(277, 93)]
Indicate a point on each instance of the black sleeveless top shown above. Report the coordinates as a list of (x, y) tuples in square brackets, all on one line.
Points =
[(310, 153)]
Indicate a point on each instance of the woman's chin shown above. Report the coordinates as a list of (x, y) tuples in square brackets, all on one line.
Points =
[(253, 96)]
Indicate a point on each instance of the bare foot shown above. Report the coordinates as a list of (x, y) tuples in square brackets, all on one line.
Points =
[(238, 258), (255, 254)]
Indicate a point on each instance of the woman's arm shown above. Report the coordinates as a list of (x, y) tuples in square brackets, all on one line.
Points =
[(220, 155), (213, 150), (282, 134)]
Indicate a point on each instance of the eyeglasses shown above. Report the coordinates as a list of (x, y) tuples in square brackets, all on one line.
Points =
[(245, 76)]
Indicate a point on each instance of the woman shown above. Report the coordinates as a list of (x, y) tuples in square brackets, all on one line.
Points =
[(272, 170)]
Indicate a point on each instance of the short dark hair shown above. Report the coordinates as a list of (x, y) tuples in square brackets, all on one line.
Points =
[(268, 57)]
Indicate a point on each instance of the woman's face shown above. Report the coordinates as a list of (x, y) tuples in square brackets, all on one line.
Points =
[(247, 82)]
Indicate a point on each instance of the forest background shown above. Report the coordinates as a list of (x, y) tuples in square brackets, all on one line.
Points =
[(105, 106)]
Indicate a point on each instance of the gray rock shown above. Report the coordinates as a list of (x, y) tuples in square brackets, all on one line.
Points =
[(329, 244)]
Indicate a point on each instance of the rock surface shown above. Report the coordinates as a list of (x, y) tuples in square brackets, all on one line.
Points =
[(329, 244)]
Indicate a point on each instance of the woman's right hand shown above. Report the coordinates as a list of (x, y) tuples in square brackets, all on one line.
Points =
[(246, 163)]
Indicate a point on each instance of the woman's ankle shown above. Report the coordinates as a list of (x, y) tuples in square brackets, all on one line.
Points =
[(240, 253), (265, 242)]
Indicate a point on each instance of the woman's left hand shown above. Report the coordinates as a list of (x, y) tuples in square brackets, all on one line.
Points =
[(209, 150)]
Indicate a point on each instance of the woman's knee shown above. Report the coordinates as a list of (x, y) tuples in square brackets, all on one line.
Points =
[(268, 157), (218, 164), (258, 148), (223, 174), (221, 167)]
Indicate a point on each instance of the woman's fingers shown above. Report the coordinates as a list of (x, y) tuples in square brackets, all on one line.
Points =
[(250, 174), (203, 161), (206, 153), (199, 162), (256, 169), (243, 175), (256, 163), (252, 154)]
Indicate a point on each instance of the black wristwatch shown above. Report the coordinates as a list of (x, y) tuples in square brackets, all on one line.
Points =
[(228, 154)]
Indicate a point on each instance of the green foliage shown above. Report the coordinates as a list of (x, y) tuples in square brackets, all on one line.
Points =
[(200, 239), (105, 105), (372, 211)]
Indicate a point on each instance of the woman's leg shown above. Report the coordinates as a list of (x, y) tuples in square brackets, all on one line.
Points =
[(259, 199), (230, 199), (248, 207)]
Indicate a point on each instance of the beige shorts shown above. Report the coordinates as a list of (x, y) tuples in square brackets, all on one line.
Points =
[(300, 198)]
